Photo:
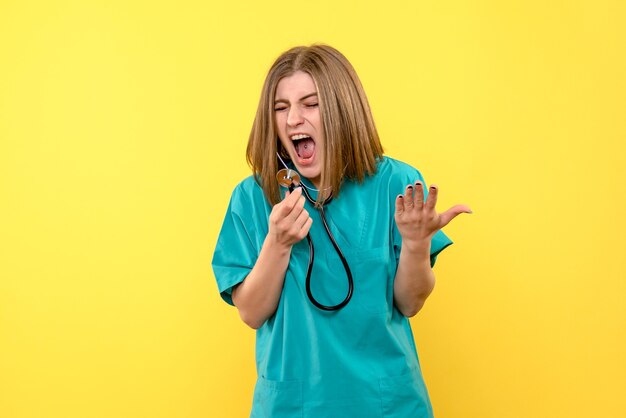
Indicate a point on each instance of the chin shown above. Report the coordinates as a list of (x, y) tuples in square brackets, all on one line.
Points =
[(310, 172)]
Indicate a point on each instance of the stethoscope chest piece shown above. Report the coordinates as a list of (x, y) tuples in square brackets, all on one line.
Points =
[(287, 177)]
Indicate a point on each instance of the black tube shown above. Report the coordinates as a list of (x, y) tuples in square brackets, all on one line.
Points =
[(312, 257)]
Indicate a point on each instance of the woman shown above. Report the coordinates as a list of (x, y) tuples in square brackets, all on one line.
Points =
[(359, 360)]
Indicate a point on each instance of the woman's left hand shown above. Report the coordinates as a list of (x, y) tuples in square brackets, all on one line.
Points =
[(417, 220)]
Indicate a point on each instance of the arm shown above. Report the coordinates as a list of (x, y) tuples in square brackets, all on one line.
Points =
[(257, 296), (414, 280), (417, 222)]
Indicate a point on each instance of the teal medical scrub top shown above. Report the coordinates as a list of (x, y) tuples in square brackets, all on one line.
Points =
[(360, 361)]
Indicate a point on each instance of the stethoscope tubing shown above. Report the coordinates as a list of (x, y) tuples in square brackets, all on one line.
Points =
[(312, 258)]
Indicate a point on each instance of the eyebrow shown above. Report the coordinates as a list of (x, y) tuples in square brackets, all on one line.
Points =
[(301, 99)]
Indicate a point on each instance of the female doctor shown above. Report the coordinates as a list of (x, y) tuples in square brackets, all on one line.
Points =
[(357, 356)]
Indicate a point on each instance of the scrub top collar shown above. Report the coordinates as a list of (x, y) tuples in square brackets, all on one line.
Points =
[(310, 186)]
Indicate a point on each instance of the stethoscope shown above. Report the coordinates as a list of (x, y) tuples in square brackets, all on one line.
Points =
[(290, 179)]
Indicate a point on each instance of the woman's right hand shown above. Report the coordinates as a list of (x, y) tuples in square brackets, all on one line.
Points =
[(289, 222), (258, 295)]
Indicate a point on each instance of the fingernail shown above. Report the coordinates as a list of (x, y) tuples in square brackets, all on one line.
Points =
[(400, 196), (409, 187), (417, 183)]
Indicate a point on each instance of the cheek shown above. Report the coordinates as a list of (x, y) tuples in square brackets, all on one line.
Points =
[(280, 123), (317, 121)]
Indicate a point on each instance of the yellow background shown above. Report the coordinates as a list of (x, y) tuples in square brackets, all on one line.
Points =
[(123, 127)]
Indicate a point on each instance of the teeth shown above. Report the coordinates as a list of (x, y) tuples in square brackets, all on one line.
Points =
[(299, 136)]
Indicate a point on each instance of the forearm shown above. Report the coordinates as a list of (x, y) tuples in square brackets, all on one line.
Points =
[(414, 279), (257, 296)]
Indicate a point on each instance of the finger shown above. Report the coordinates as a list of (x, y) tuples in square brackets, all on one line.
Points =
[(296, 210), (419, 195), (290, 201), (431, 199), (408, 198), (293, 196), (452, 213), (301, 219), (305, 228), (399, 204)]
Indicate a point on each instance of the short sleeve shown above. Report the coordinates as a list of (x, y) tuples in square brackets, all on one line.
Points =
[(439, 241), (235, 252)]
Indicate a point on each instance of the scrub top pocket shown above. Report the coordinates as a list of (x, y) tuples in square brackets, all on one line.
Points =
[(373, 291), (405, 396), (273, 399)]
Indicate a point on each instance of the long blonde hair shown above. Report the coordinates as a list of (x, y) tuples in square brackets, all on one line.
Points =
[(352, 146)]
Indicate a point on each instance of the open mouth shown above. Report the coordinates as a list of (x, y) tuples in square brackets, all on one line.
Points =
[(304, 146)]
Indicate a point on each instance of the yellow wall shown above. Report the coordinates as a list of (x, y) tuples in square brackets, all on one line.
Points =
[(122, 133)]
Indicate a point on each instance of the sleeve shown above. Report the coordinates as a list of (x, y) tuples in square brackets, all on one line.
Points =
[(439, 241), (235, 253)]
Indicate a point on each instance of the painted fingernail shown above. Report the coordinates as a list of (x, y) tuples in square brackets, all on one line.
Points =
[(409, 187), (400, 196), (417, 183)]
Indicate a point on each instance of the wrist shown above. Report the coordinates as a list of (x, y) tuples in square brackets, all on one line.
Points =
[(275, 247), (417, 248)]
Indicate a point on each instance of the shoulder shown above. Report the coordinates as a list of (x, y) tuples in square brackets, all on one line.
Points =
[(395, 170), (249, 186), (247, 192)]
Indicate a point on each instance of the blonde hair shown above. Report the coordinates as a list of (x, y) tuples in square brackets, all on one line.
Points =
[(352, 146)]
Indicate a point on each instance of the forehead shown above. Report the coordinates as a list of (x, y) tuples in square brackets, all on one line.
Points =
[(295, 86)]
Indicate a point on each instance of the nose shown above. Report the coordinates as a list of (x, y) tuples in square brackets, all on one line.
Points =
[(294, 118)]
